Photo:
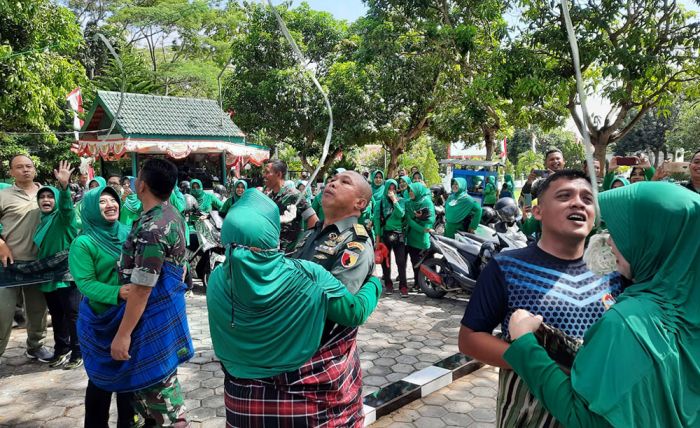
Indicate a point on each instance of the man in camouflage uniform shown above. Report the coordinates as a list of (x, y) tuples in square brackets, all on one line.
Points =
[(158, 238), (294, 208)]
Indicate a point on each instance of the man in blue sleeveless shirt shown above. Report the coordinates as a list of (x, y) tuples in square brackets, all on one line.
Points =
[(549, 278)]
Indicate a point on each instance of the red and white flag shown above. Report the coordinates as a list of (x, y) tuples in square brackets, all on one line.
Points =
[(75, 100), (504, 148)]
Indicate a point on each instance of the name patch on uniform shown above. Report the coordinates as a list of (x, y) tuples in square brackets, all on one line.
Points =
[(356, 245), (349, 258)]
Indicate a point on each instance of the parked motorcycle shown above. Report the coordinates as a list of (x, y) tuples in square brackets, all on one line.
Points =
[(455, 264), (205, 251), (439, 197)]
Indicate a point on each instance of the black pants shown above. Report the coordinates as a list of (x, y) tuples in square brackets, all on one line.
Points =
[(63, 304), (416, 254), (97, 403), (399, 248)]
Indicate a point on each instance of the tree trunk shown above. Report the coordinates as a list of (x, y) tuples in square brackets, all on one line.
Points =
[(489, 134), (395, 148), (600, 146)]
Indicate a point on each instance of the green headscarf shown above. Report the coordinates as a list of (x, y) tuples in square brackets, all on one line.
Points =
[(106, 235), (4, 185), (420, 174), (621, 179), (47, 219), (387, 205), (307, 190), (245, 186), (509, 182), (422, 196), (100, 180), (203, 198), (377, 191), (234, 197), (266, 317), (460, 204), (407, 179), (641, 361)]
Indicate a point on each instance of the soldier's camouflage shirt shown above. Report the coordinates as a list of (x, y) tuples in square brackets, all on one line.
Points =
[(157, 237), (289, 233)]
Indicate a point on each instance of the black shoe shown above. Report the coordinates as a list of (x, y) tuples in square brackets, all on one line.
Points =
[(59, 359), (74, 363), (42, 354)]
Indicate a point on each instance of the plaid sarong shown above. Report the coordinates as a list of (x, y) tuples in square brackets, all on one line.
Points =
[(160, 342), (48, 269), (325, 392)]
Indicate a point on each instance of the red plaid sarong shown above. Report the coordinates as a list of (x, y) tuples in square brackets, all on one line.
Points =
[(325, 392)]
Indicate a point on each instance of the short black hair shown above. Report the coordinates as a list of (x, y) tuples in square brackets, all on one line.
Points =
[(696, 152), (564, 174), (160, 175), (279, 166), (12, 159), (552, 150), (114, 174)]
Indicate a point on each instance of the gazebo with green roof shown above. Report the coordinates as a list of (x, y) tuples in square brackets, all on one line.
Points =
[(159, 125)]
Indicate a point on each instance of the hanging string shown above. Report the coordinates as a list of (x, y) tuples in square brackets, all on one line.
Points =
[(584, 109), (302, 61)]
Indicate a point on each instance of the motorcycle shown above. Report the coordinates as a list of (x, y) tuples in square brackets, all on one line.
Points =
[(439, 197), (455, 264), (205, 251)]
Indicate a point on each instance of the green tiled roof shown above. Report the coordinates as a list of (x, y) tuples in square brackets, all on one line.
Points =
[(151, 114)]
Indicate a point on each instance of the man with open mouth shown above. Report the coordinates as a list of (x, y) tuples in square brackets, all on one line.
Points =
[(549, 278)]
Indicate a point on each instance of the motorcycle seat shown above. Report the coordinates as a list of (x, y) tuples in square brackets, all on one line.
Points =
[(460, 246), (476, 238)]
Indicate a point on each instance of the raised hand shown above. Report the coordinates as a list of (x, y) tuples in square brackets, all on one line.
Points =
[(63, 173)]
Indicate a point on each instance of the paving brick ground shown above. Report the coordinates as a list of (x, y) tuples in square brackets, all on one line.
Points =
[(402, 336), (468, 402)]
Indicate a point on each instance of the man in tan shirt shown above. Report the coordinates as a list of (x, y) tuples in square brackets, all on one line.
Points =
[(19, 216)]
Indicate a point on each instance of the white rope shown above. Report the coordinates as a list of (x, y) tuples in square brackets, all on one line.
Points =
[(584, 109), (302, 61)]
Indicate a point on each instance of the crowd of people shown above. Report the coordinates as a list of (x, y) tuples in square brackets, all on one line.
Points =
[(107, 260)]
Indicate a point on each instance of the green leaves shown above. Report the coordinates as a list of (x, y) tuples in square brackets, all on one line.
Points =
[(39, 41)]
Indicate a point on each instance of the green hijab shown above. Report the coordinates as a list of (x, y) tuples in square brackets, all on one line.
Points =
[(245, 186), (4, 185), (640, 364), (100, 180), (509, 182), (407, 179), (621, 179), (377, 191), (132, 202), (202, 197), (47, 219), (458, 205), (422, 196), (387, 205), (266, 317), (106, 235), (420, 174)]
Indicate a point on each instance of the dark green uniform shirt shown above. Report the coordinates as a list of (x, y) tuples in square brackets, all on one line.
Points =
[(157, 237), (290, 231), (343, 248)]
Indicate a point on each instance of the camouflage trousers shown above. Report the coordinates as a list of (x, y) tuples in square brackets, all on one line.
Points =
[(163, 404)]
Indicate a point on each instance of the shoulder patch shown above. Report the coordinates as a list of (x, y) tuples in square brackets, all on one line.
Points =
[(356, 246), (349, 259), (361, 232)]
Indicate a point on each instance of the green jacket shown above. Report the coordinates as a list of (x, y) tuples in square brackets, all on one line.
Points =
[(420, 213), (95, 273), (490, 191), (393, 213), (60, 234)]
